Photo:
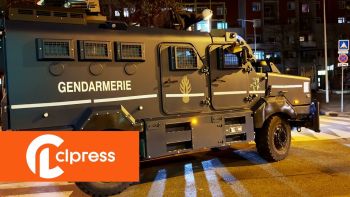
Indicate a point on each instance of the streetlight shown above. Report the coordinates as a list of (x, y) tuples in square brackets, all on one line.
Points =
[(254, 21), (325, 50)]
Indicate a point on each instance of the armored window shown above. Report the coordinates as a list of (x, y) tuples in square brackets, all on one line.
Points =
[(130, 51), (48, 49), (95, 50), (227, 59), (183, 58)]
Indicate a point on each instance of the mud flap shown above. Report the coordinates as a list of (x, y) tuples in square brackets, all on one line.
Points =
[(314, 117)]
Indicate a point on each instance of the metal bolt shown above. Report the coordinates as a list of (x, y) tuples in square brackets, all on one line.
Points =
[(45, 115), (140, 107)]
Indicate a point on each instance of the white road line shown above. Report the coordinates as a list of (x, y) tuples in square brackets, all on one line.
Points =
[(286, 86), (229, 93), (125, 98), (336, 118), (336, 122), (235, 184), (341, 133), (50, 194), (184, 95), (17, 185), (256, 159), (51, 104), (190, 189), (213, 182), (158, 185)]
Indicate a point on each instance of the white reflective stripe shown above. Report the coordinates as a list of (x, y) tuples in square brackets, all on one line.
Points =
[(288, 76), (257, 92), (158, 185), (287, 86), (44, 194), (126, 98), (52, 104), (230, 93), (184, 95)]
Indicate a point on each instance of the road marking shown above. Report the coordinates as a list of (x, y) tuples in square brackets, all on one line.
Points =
[(230, 93), (158, 185), (51, 104), (126, 98), (214, 186), (335, 121), (190, 189), (235, 184), (254, 158), (51, 194), (17, 185), (339, 118), (341, 133), (184, 95)]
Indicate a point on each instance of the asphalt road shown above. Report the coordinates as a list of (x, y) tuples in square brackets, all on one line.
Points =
[(318, 165)]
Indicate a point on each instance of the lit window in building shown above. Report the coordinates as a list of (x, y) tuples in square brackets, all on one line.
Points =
[(341, 20), (305, 8), (221, 25), (341, 4), (116, 13), (220, 11), (302, 38), (259, 55), (203, 26), (126, 12), (291, 5), (189, 9), (256, 6)]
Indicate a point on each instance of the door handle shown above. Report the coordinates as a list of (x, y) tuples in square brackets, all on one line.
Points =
[(219, 80), (169, 81)]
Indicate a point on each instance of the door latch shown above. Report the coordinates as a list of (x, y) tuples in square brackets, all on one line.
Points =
[(205, 70), (206, 101), (250, 98)]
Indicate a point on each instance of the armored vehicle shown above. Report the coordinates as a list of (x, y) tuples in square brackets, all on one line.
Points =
[(181, 90)]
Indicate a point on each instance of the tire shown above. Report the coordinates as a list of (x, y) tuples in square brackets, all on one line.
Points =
[(274, 139), (100, 189)]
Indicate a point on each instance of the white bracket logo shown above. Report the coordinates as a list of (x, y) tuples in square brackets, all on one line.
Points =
[(44, 161)]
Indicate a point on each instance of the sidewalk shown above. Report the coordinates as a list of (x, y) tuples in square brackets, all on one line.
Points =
[(333, 107)]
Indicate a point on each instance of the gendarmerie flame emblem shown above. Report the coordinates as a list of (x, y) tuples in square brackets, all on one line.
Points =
[(185, 89)]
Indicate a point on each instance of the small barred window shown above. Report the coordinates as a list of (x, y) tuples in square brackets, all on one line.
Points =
[(186, 58), (95, 50), (130, 51), (55, 49)]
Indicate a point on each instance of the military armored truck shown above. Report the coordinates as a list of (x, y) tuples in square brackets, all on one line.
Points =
[(183, 91)]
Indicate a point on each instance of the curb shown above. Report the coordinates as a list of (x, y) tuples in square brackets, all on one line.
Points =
[(334, 114)]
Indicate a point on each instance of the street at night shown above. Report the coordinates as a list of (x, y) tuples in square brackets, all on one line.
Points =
[(318, 165)]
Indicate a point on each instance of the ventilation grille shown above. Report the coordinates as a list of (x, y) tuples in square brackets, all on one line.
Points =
[(130, 51), (95, 50), (43, 13), (55, 49), (183, 58)]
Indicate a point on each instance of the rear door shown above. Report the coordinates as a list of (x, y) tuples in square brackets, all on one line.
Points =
[(183, 85), (229, 81)]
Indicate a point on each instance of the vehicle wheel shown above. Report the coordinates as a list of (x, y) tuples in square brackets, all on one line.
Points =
[(273, 140), (100, 189)]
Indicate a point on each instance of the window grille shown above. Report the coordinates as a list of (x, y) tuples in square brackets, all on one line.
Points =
[(95, 50), (227, 59), (183, 58), (130, 51), (55, 49)]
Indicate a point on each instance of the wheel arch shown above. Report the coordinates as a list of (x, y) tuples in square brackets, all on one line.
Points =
[(272, 106)]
